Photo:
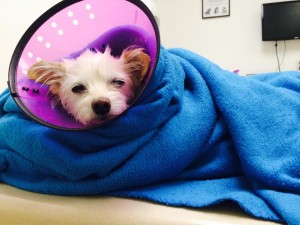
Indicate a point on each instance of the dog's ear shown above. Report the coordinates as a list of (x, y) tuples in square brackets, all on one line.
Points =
[(137, 62), (49, 73)]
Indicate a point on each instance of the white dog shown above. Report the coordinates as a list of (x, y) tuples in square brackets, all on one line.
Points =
[(96, 86)]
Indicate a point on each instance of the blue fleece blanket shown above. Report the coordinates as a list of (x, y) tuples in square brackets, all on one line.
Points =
[(198, 136)]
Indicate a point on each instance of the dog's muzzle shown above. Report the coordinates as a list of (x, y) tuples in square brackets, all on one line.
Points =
[(101, 106)]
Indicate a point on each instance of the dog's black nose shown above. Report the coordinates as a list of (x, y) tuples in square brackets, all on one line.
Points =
[(101, 106)]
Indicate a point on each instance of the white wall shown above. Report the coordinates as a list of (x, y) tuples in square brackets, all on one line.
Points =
[(233, 42)]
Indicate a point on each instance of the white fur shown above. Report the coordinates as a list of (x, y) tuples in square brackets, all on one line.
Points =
[(95, 86), (95, 71)]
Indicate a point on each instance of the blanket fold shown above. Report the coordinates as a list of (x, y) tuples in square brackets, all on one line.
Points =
[(197, 136)]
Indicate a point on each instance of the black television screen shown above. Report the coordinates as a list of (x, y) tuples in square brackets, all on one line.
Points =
[(281, 21)]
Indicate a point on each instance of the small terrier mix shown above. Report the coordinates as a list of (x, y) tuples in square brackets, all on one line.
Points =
[(96, 86)]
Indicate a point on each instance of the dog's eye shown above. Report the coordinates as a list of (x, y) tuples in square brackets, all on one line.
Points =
[(117, 82), (78, 89)]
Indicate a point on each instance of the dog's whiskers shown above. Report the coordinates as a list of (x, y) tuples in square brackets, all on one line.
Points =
[(54, 101)]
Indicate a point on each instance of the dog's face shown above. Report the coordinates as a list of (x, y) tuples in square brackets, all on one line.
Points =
[(96, 86)]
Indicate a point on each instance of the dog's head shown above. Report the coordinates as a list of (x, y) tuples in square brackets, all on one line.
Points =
[(96, 86)]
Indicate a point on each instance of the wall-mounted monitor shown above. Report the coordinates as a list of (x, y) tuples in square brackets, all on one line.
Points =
[(281, 21)]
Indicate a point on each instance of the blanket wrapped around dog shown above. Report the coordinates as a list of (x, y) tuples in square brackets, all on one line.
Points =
[(197, 136)]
